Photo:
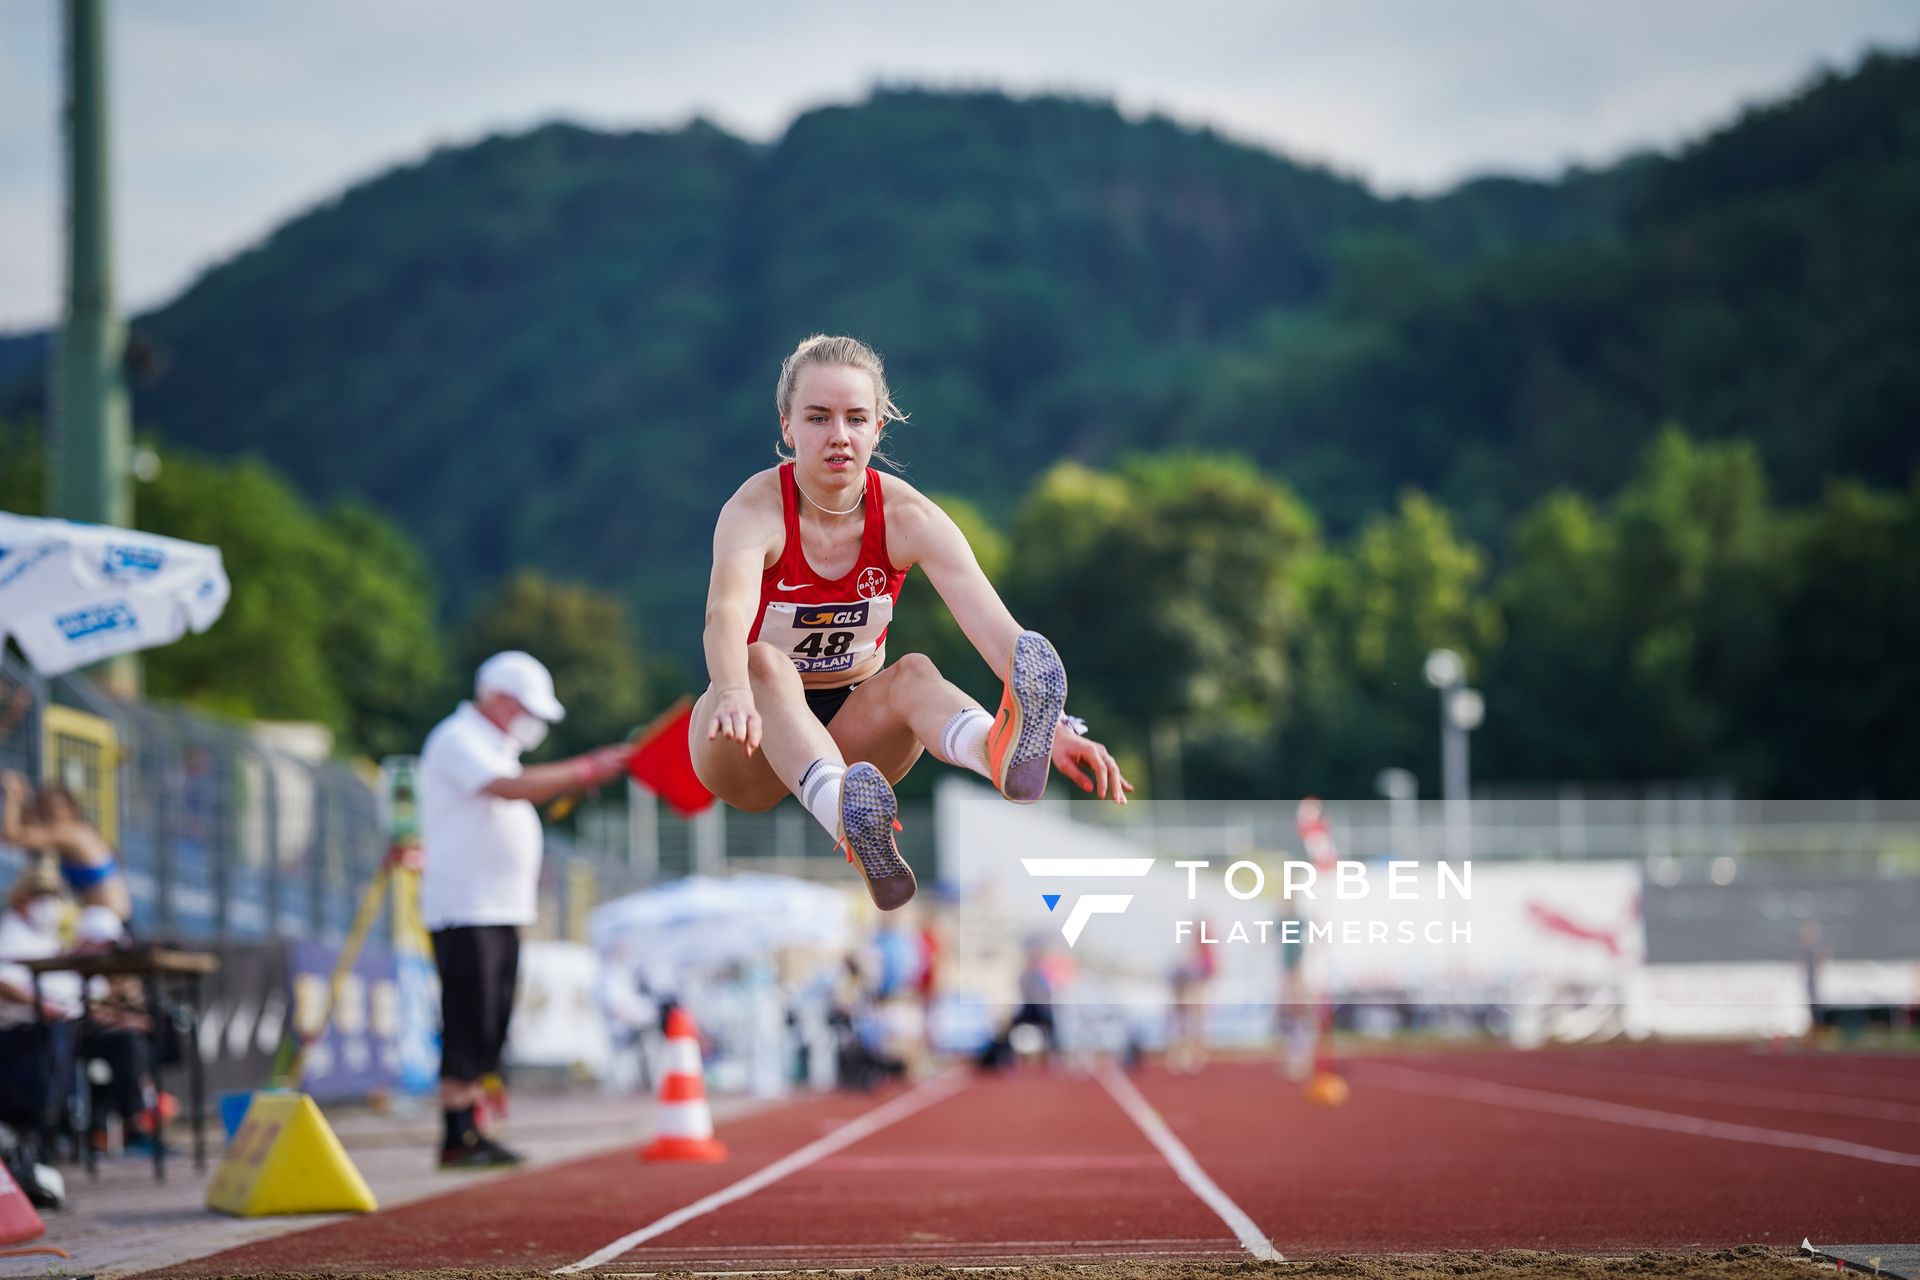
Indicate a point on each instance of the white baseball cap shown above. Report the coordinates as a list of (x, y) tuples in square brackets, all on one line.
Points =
[(524, 677)]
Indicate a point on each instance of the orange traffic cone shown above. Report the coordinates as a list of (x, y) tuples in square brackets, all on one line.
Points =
[(18, 1221), (1327, 1089), (684, 1129)]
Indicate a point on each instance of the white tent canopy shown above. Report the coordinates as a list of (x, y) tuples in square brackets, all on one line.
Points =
[(704, 923), (73, 594)]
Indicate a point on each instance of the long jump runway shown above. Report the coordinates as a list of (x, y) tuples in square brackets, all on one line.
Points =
[(1603, 1150)]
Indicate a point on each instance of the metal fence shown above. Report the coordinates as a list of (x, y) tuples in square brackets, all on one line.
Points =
[(623, 845), (1679, 831), (220, 835), (223, 836)]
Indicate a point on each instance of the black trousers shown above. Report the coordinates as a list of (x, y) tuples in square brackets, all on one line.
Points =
[(478, 964)]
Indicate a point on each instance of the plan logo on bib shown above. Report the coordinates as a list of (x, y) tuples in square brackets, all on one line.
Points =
[(1087, 906)]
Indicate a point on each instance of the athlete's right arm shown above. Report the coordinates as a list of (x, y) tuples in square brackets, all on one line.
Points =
[(741, 540)]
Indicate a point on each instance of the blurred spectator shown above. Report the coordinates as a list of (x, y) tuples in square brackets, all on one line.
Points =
[(1031, 1028), (31, 1068), (1186, 1031), (117, 1044), (633, 1019), (1813, 957), (1297, 1016), (929, 984), (901, 962), (53, 822), (860, 1058)]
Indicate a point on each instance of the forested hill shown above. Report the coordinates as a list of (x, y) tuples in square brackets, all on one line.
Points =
[(558, 349), (1762, 283)]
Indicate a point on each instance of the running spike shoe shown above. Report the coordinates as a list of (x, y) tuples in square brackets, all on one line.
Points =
[(870, 815), (1020, 743)]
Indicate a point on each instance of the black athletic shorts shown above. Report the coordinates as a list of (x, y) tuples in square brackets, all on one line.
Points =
[(826, 703), (478, 966)]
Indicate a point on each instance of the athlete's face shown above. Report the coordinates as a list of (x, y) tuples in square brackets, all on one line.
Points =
[(831, 424)]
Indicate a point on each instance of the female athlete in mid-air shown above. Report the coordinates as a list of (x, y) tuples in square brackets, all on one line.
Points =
[(808, 559)]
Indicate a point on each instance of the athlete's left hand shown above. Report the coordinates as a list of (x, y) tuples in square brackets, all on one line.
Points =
[(1090, 765)]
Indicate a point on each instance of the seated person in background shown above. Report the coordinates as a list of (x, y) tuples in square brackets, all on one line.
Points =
[(30, 930), (119, 1036), (53, 822)]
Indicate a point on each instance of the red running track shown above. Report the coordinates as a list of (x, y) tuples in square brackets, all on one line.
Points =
[(1598, 1150)]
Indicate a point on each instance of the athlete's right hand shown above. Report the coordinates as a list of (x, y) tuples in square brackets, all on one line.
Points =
[(734, 717)]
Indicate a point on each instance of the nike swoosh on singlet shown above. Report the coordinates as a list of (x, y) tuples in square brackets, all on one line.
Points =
[(794, 586)]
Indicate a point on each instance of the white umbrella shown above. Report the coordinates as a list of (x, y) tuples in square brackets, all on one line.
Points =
[(73, 594)]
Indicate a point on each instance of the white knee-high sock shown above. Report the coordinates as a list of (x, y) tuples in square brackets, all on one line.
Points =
[(820, 793), (964, 740)]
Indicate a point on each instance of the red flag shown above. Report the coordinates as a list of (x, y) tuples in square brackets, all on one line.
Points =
[(663, 763)]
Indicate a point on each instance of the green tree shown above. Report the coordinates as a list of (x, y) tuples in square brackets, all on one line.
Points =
[(1634, 634), (1170, 588), (1408, 583), (1694, 532), (380, 634), (1554, 686), (331, 618), (923, 624), (22, 470), (1837, 697), (584, 638)]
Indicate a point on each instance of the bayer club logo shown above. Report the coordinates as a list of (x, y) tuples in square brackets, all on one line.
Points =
[(872, 582)]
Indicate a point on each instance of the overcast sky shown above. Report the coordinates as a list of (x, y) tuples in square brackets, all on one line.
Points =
[(231, 115)]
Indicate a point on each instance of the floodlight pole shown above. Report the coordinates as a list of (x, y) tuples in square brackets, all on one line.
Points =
[(91, 442), (1461, 710), (92, 434)]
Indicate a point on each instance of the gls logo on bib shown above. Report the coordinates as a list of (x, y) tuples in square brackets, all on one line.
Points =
[(854, 615)]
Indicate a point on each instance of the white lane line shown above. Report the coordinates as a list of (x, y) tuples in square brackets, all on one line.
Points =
[(935, 1090), (1695, 1089), (1141, 1112), (1521, 1098), (940, 1163)]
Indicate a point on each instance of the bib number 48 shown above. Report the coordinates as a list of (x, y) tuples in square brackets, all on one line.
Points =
[(832, 644)]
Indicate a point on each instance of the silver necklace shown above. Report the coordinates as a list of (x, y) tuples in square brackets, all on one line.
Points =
[(829, 510)]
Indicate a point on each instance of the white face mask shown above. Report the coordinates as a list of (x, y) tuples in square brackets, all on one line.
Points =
[(44, 913), (528, 731)]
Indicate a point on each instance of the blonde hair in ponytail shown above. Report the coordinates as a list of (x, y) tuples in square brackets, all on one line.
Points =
[(838, 352)]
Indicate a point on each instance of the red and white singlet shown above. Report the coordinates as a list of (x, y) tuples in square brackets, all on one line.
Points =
[(828, 625)]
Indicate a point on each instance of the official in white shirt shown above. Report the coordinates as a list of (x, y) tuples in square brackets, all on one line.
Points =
[(481, 841)]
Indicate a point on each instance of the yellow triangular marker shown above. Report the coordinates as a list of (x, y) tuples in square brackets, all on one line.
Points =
[(286, 1159)]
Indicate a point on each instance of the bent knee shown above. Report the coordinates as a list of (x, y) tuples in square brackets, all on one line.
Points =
[(766, 663), (915, 668)]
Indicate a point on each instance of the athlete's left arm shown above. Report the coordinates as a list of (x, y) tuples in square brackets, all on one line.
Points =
[(919, 532)]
